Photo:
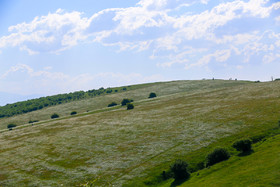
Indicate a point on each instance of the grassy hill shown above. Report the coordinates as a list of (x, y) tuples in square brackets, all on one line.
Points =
[(261, 168), (137, 92), (113, 146)]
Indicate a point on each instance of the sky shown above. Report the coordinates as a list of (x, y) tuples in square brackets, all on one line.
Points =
[(49, 47)]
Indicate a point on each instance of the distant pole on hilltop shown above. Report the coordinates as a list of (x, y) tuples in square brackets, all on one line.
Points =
[(271, 78)]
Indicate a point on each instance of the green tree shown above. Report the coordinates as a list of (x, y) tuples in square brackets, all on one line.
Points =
[(11, 126), (112, 104), (218, 155), (180, 170), (126, 101), (152, 95), (243, 145), (54, 115), (130, 106), (73, 113)]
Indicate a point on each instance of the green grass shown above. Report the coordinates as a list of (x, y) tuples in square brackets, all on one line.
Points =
[(113, 146), (260, 168), (136, 92)]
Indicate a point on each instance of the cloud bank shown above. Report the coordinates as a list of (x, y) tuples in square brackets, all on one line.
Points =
[(174, 31), (51, 82)]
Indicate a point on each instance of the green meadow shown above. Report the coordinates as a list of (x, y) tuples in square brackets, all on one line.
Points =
[(112, 146)]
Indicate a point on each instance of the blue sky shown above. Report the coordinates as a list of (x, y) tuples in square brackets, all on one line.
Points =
[(49, 46)]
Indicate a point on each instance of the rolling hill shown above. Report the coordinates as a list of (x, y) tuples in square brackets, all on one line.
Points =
[(103, 146)]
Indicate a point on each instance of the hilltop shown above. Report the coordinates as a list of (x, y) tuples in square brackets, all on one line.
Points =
[(105, 146)]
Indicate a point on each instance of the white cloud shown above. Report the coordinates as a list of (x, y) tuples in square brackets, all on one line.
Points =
[(219, 55), (269, 58), (52, 33), (47, 82), (239, 67), (152, 25)]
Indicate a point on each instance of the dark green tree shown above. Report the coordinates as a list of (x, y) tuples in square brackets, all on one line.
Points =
[(152, 95), (180, 170), (243, 145), (73, 113), (218, 155), (11, 126), (125, 101), (54, 115), (130, 106), (112, 104)]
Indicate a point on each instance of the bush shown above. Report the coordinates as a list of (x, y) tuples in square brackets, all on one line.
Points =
[(73, 113), (243, 145), (258, 138), (112, 104), (130, 106), (152, 95), (180, 170), (11, 126), (34, 121), (126, 101), (54, 116), (109, 91), (218, 155)]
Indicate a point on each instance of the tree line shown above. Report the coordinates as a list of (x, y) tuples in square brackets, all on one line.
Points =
[(42, 102)]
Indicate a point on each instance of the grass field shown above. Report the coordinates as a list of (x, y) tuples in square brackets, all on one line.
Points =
[(137, 92), (260, 168), (113, 146)]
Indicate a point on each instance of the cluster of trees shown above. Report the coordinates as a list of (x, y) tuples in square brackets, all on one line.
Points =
[(125, 102), (37, 104), (179, 169)]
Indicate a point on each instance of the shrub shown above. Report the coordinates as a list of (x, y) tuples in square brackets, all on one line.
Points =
[(130, 106), (218, 155), (34, 121), (125, 101), (11, 126), (73, 113), (112, 104), (180, 170), (54, 115), (258, 138), (109, 91), (243, 145), (152, 95)]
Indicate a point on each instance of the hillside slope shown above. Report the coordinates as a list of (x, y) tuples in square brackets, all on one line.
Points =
[(261, 168), (137, 92), (115, 146)]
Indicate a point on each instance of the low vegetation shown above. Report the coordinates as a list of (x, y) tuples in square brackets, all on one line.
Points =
[(33, 121), (130, 106), (54, 115), (11, 126), (112, 104), (180, 170), (106, 147), (73, 113), (218, 155), (43, 102), (243, 145), (152, 95), (126, 101)]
